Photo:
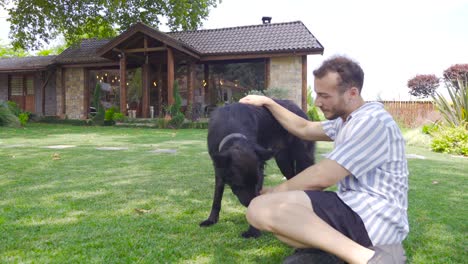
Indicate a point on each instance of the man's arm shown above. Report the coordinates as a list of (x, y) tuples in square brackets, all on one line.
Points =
[(320, 176), (296, 125)]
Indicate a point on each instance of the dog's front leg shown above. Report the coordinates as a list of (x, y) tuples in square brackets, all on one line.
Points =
[(216, 207)]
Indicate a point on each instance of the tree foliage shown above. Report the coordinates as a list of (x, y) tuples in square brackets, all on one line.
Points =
[(455, 73), (7, 51), (37, 22), (423, 85)]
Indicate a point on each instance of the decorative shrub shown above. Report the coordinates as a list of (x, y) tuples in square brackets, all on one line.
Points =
[(177, 117), (429, 129), (97, 104), (118, 117), (452, 140), (14, 108), (23, 118), (7, 118), (455, 110), (312, 111)]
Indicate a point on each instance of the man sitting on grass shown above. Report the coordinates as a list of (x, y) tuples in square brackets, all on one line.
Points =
[(368, 213)]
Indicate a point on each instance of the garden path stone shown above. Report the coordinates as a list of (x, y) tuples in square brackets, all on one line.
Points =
[(112, 148), (13, 146), (414, 156), (60, 146)]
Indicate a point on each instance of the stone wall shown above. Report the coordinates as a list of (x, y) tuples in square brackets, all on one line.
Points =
[(286, 73), (74, 81)]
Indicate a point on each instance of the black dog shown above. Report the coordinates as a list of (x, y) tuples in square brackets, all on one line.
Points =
[(241, 138)]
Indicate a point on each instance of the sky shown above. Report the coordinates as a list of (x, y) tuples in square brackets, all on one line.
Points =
[(392, 40)]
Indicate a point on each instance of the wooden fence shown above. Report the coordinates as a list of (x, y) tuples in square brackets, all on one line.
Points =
[(412, 113)]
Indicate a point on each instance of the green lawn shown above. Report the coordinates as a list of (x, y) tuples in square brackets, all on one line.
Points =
[(84, 205)]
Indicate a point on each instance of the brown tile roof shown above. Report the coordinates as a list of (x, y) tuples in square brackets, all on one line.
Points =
[(25, 63), (288, 37), (84, 53), (263, 38)]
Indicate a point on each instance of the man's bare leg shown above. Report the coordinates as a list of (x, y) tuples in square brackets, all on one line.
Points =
[(290, 217)]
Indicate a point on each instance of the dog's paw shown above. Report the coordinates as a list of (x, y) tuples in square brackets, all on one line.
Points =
[(251, 234), (207, 222)]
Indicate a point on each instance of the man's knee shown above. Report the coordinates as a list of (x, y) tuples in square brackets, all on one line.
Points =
[(256, 211)]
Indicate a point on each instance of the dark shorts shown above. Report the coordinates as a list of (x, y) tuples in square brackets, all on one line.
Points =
[(328, 206)]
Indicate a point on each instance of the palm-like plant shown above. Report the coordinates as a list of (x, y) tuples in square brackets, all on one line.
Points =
[(455, 113)]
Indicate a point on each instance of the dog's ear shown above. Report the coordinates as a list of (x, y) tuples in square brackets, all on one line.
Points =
[(263, 153), (222, 159)]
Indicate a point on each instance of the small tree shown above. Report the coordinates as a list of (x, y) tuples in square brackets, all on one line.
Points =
[(177, 117), (97, 103), (423, 85), (455, 73)]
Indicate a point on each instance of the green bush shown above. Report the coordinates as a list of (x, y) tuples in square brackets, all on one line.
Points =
[(14, 108), (23, 118), (7, 117), (177, 117), (118, 117), (313, 114), (109, 114), (97, 104), (452, 140), (428, 129)]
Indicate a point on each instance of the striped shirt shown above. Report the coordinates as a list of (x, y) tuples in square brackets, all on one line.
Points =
[(370, 146)]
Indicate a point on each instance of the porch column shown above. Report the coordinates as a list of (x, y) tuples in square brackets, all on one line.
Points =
[(170, 76), (123, 84), (206, 84), (160, 85), (145, 72), (267, 72), (304, 83), (190, 84)]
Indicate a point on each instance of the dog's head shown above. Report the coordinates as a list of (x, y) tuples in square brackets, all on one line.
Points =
[(241, 167)]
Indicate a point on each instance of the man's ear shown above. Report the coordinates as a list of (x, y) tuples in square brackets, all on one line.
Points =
[(263, 153), (222, 159)]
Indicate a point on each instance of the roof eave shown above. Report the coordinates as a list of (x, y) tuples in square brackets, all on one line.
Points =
[(156, 34), (259, 54)]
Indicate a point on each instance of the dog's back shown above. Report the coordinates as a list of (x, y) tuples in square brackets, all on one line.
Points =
[(256, 123)]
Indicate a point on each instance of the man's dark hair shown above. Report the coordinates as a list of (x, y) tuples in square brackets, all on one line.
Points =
[(351, 74)]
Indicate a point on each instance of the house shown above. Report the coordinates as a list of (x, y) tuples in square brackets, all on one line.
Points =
[(137, 70)]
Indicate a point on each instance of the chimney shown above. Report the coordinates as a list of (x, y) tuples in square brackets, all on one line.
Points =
[(266, 20)]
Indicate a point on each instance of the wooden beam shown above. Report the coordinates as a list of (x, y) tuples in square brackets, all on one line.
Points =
[(267, 72), (144, 49), (304, 83), (170, 77), (123, 84), (145, 72)]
